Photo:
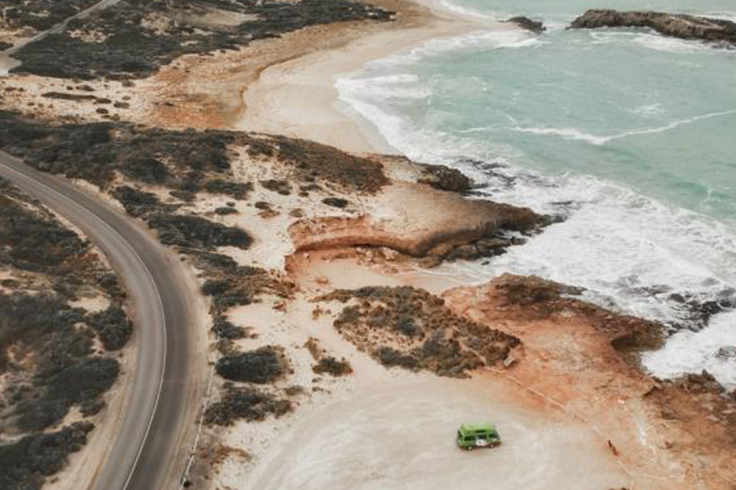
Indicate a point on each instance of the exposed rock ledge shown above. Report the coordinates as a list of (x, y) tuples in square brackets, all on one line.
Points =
[(528, 24), (675, 25), (582, 357), (402, 220)]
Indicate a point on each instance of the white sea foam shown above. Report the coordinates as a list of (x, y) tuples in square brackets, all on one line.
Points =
[(579, 135), (398, 86), (467, 11), (565, 133), (688, 352), (511, 38), (650, 40), (631, 252), (722, 15), (671, 44), (648, 110)]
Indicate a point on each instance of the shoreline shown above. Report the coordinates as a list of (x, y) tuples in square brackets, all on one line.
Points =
[(336, 242), (298, 97)]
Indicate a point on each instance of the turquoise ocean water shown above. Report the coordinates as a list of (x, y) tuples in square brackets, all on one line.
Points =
[(629, 135)]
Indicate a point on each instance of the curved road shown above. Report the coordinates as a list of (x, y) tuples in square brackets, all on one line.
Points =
[(149, 452)]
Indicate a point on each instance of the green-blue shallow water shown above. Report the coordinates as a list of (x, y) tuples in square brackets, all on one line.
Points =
[(603, 104), (628, 134)]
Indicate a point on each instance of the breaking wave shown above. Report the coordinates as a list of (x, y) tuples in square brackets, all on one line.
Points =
[(631, 252)]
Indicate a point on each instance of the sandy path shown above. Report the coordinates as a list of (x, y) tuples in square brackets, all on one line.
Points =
[(400, 436)]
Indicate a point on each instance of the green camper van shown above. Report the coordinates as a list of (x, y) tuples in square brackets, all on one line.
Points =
[(472, 436)]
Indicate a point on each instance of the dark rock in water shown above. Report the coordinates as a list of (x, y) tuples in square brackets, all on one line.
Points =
[(698, 312), (674, 25), (440, 177), (483, 248), (700, 383), (445, 178), (727, 352), (528, 24), (498, 179)]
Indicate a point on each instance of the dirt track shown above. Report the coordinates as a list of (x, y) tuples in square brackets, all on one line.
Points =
[(400, 436)]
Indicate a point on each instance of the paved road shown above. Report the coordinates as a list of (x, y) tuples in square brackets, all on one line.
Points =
[(149, 452)]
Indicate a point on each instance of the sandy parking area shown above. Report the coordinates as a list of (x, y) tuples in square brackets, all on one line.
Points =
[(400, 436)]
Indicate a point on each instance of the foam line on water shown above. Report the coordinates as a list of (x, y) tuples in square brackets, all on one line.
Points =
[(510, 38), (467, 12), (630, 252), (579, 135), (688, 352)]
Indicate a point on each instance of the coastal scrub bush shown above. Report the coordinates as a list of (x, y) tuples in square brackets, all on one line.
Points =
[(225, 210), (32, 320), (310, 161), (333, 367), (113, 327), (237, 190), (248, 403), (136, 203), (26, 462), (237, 284), (225, 329), (78, 383), (278, 186), (336, 202), (413, 329), (34, 241), (145, 169), (135, 50), (391, 357), (260, 366), (197, 232)]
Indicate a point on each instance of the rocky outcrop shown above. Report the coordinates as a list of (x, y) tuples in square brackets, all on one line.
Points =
[(531, 299), (528, 24), (726, 352), (697, 311), (402, 219), (584, 357), (674, 25), (444, 178)]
